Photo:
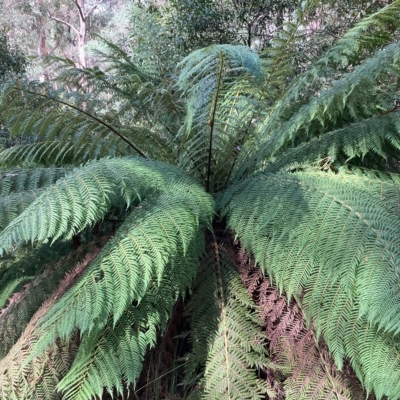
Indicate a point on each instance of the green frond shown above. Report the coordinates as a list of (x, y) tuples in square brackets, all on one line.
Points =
[(151, 238), (83, 197), (332, 242), (369, 34), (112, 358), (278, 56), (355, 140), (77, 121), (19, 188), (348, 95), (47, 153), (13, 205), (228, 345), (214, 80), (21, 180)]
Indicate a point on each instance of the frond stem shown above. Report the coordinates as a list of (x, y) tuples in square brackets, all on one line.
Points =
[(237, 154), (223, 308), (211, 122), (112, 129)]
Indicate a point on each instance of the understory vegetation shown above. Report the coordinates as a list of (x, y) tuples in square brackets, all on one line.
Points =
[(218, 224)]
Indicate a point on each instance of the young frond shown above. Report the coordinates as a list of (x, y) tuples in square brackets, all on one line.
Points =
[(215, 80)]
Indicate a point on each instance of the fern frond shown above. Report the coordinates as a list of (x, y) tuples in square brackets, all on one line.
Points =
[(21, 180), (224, 322), (299, 227), (24, 378), (217, 107), (112, 359), (151, 237), (47, 153), (83, 197), (278, 57), (79, 122), (369, 34), (346, 94), (355, 140)]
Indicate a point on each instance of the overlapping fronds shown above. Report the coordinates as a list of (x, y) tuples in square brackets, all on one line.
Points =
[(21, 180), (374, 134), (24, 378), (112, 358), (301, 365), (228, 346), (343, 102), (215, 79), (19, 188), (333, 244), (79, 124), (84, 196), (151, 237), (329, 241), (368, 35)]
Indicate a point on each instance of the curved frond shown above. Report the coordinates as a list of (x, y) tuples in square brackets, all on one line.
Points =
[(333, 244), (76, 121), (346, 93), (369, 34), (83, 197), (355, 140), (112, 358), (151, 237)]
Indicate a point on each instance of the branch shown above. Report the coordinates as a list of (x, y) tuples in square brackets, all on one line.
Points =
[(80, 9), (63, 22), (92, 9)]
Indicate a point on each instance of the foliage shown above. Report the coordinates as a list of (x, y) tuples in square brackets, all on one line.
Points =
[(12, 60), (149, 188)]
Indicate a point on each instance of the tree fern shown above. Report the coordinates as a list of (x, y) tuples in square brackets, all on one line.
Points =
[(118, 154)]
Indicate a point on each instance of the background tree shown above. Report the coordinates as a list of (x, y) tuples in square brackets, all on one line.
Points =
[(60, 28)]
